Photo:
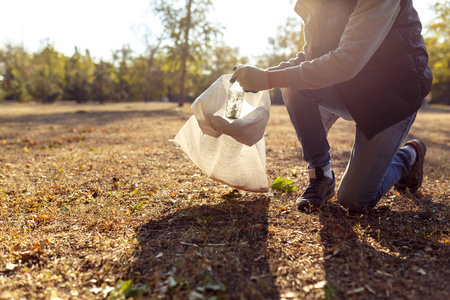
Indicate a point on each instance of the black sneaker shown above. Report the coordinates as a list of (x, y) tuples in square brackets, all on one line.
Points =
[(318, 191), (413, 180)]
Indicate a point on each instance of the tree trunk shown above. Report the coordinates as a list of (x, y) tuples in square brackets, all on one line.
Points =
[(183, 77), (150, 59), (148, 79), (185, 53)]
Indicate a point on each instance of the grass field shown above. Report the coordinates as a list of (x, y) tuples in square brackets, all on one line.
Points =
[(96, 202)]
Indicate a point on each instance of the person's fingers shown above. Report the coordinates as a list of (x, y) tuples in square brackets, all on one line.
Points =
[(235, 75), (238, 66), (246, 88)]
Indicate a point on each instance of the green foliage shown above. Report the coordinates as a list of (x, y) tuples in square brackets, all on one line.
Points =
[(283, 184), (103, 83), (18, 89), (209, 288), (122, 58), (78, 87), (190, 34), (285, 45), (43, 86), (47, 76), (438, 45), (231, 195), (126, 289), (15, 67), (217, 61), (79, 70), (331, 291), (185, 59)]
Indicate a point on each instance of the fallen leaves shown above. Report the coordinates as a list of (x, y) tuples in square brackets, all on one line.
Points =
[(339, 232), (120, 208), (10, 266), (233, 195), (209, 287), (318, 285), (419, 270), (104, 290), (32, 251)]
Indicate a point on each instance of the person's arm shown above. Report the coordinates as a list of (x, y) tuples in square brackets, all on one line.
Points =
[(367, 28), (277, 79), (295, 61)]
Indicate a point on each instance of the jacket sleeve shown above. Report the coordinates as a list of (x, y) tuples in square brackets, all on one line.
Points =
[(368, 26), (291, 63)]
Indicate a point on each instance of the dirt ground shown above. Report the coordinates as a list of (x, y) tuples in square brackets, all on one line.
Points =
[(97, 202)]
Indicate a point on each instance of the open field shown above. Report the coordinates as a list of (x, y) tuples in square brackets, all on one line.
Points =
[(96, 203)]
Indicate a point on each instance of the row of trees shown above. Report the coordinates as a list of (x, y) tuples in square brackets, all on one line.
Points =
[(183, 60), (48, 75), (438, 44), (189, 45)]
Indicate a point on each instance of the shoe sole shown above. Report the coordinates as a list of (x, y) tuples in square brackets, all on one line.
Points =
[(329, 196), (305, 205)]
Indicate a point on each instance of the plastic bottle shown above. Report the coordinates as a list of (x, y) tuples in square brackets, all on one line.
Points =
[(234, 101)]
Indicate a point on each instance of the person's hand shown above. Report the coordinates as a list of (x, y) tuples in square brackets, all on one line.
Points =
[(251, 79)]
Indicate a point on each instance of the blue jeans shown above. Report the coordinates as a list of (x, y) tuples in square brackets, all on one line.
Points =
[(375, 165)]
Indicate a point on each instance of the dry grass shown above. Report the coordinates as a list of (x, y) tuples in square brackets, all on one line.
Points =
[(96, 202)]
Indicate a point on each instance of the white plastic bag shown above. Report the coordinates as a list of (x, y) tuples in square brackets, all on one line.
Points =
[(229, 151)]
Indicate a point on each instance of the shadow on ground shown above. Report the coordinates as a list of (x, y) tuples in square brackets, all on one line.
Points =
[(387, 254), (435, 109), (91, 118), (220, 248)]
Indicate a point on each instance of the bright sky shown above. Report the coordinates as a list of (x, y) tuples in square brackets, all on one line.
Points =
[(105, 25)]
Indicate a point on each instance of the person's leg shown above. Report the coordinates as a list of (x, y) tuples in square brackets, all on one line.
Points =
[(375, 166), (311, 126), (313, 113)]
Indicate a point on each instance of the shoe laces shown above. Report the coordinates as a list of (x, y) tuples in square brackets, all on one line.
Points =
[(314, 185)]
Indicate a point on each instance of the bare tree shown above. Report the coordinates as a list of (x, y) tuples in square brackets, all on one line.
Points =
[(152, 43), (189, 31)]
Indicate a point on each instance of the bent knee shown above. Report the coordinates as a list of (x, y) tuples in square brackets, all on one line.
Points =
[(356, 200)]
